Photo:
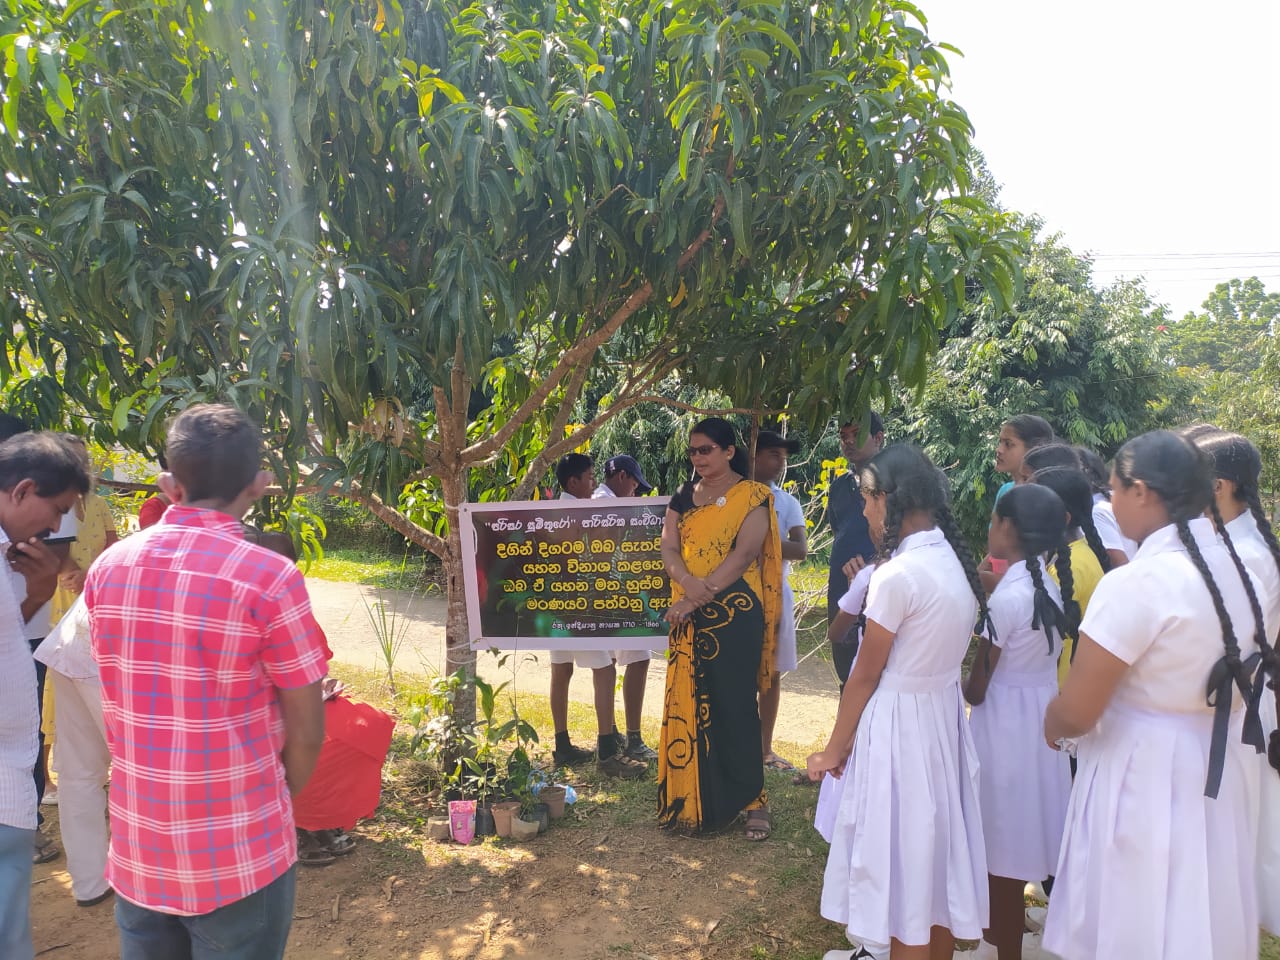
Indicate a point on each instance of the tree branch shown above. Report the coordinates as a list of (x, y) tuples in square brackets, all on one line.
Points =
[(480, 452), (398, 522)]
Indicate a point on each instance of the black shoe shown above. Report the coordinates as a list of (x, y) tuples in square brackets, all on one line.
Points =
[(94, 901), (637, 749), (575, 756)]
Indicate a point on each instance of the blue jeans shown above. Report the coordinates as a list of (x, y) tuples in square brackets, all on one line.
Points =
[(255, 928), (15, 892)]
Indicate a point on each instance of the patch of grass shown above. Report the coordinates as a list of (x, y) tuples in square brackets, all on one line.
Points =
[(376, 568), (1269, 948)]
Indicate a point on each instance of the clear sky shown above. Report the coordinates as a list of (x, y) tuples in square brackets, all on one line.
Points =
[(1146, 132)]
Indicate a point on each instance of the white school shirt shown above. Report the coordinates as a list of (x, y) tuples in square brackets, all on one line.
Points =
[(851, 601), (602, 491), (1257, 558), (19, 711), (566, 496), (1155, 614), (1104, 519), (1023, 649), (790, 514), (922, 596)]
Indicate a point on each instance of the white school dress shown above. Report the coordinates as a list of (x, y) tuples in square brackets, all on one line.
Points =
[(1104, 521), (1256, 555), (907, 852), (1024, 784), (1150, 867)]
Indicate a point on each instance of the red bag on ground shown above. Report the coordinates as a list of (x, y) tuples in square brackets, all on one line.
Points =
[(347, 781)]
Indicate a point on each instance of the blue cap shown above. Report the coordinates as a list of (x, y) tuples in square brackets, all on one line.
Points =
[(624, 463)]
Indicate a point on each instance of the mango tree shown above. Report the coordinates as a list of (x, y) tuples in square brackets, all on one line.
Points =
[(404, 235)]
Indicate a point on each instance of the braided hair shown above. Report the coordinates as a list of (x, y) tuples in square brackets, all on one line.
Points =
[(1072, 486), (1180, 473), (1236, 459), (1049, 455), (1040, 518), (910, 481), (1095, 471)]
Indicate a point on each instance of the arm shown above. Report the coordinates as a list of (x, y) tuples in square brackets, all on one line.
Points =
[(984, 665), (1118, 558), (796, 545), (695, 589), (39, 565), (1090, 685), (303, 710), (746, 550), (872, 657), (840, 626)]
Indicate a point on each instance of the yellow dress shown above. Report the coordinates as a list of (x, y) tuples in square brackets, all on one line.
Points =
[(1086, 571), (710, 764)]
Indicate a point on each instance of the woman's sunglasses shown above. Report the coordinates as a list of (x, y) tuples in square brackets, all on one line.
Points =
[(703, 451)]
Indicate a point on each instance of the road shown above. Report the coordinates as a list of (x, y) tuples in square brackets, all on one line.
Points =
[(809, 695)]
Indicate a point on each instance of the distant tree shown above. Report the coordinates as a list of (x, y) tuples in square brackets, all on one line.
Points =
[(1224, 335), (1087, 360)]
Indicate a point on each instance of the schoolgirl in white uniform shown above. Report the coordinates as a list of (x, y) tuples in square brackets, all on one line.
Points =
[(907, 865), (1158, 857), (1237, 466), (1024, 784)]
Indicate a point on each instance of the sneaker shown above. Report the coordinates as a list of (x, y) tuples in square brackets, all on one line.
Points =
[(622, 766), (1035, 918), (50, 798), (639, 750), (575, 756)]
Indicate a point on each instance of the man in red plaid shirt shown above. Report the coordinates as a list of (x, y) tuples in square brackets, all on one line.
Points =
[(211, 665)]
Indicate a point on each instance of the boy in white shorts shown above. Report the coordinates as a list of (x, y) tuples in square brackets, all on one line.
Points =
[(576, 475), (771, 463)]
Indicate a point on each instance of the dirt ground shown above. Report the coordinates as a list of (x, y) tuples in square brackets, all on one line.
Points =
[(594, 886)]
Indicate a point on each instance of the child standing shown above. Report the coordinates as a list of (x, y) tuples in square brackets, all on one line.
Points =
[(1024, 785), (907, 865), (1089, 558), (1237, 466), (1158, 856), (1018, 434)]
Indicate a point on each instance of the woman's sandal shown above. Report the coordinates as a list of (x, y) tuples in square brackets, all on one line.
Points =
[(311, 850), (775, 762), (759, 825)]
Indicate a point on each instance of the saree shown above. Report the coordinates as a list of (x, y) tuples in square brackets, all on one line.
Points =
[(710, 762)]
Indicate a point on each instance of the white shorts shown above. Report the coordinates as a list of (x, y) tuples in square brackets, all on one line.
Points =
[(784, 656), (598, 659)]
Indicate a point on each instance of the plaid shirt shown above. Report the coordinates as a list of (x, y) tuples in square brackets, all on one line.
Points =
[(194, 629)]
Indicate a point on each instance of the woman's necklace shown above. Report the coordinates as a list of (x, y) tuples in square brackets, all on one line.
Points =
[(708, 491)]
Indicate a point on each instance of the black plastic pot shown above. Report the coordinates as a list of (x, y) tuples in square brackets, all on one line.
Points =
[(541, 813), (484, 820)]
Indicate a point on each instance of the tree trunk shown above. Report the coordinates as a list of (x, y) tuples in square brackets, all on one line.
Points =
[(458, 652)]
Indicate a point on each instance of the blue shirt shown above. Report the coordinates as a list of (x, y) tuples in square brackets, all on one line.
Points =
[(851, 537)]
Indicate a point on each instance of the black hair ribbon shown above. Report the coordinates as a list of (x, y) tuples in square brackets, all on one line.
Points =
[(1227, 672)]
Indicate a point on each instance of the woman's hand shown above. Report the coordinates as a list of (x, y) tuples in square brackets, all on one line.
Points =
[(680, 611), (826, 761), (698, 590)]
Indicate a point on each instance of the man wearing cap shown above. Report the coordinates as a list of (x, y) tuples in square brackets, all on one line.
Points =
[(772, 450), (850, 535), (624, 478)]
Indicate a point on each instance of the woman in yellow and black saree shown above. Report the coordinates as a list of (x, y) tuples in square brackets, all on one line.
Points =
[(721, 550)]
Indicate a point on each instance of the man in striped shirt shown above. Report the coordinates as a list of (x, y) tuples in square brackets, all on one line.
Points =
[(211, 664), (41, 478)]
